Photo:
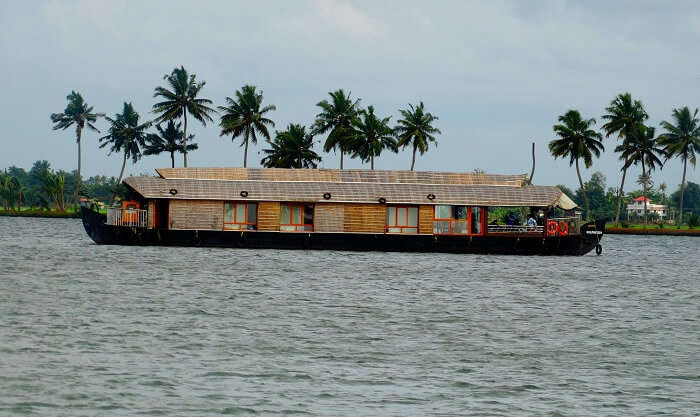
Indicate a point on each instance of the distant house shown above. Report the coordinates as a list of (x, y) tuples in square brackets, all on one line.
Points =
[(636, 208)]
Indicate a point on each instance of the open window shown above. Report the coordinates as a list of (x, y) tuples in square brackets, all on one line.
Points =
[(296, 217), (457, 220), (240, 216), (402, 219)]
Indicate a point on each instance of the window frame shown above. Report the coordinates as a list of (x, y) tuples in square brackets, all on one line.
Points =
[(302, 206), (452, 220), (246, 223), (396, 217)]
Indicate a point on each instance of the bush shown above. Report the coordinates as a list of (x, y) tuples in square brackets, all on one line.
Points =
[(625, 225), (693, 220), (660, 223)]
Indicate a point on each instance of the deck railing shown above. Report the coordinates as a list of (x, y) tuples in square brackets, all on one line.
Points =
[(504, 228), (129, 217)]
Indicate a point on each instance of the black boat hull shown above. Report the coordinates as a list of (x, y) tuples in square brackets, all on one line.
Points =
[(590, 236)]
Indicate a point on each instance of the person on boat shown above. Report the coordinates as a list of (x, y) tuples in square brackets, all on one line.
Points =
[(510, 219), (531, 222)]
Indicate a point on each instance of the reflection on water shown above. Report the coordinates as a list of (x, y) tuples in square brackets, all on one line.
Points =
[(99, 330)]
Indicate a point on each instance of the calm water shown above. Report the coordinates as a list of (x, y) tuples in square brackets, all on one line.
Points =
[(96, 330)]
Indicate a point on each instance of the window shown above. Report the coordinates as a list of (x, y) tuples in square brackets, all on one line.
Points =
[(451, 220), (296, 217), (402, 219), (457, 220), (240, 216)]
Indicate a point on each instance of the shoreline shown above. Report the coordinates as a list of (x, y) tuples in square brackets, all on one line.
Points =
[(667, 231), (41, 214)]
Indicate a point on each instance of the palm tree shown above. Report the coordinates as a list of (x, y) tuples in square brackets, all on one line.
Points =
[(53, 185), (337, 116), (415, 128), (641, 147), (126, 135), (372, 136), (168, 140), (77, 113), (682, 140), (245, 117), (180, 100), (623, 116), (577, 141), (292, 148)]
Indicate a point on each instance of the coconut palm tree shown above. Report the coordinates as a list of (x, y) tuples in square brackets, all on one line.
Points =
[(623, 116), (415, 128), (245, 116), (126, 135), (642, 147), (577, 141), (180, 100), (168, 140), (337, 116), (52, 184), (682, 140), (291, 148), (373, 135), (77, 113)]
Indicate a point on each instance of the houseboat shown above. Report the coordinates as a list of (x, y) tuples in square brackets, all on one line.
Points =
[(344, 210)]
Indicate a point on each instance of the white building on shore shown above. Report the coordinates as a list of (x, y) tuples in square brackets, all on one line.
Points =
[(636, 208)]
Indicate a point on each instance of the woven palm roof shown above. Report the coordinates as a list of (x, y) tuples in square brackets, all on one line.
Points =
[(293, 189), (344, 176)]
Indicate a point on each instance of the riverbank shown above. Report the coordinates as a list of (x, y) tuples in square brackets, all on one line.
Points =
[(666, 231), (68, 214)]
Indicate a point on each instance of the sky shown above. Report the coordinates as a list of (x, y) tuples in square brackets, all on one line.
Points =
[(497, 74)]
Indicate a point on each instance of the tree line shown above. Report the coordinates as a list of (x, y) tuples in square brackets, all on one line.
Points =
[(626, 118), (349, 128)]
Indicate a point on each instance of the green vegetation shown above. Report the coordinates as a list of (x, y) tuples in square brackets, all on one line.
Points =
[(170, 139), (180, 100), (338, 117), (126, 135), (416, 129), (77, 113), (245, 117), (577, 141), (292, 148), (623, 117), (372, 136), (682, 140)]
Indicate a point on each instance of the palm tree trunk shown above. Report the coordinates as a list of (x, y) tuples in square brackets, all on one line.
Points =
[(413, 161), (341, 158), (619, 196), (644, 178), (680, 215), (119, 181), (583, 192), (77, 179), (372, 159), (184, 137), (245, 154), (172, 159)]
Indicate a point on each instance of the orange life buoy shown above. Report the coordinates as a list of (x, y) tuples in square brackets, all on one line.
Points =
[(563, 228), (552, 228)]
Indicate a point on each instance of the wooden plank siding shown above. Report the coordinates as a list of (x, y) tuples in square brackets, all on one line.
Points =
[(196, 215), (425, 219), (364, 218), (269, 216), (329, 217)]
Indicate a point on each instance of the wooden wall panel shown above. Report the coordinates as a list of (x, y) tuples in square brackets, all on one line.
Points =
[(365, 218), (151, 213), (196, 214), (425, 219), (269, 216), (329, 217)]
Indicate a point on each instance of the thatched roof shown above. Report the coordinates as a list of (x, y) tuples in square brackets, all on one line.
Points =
[(349, 186), (345, 175)]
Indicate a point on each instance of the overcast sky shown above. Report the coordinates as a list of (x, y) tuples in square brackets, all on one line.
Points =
[(496, 73)]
